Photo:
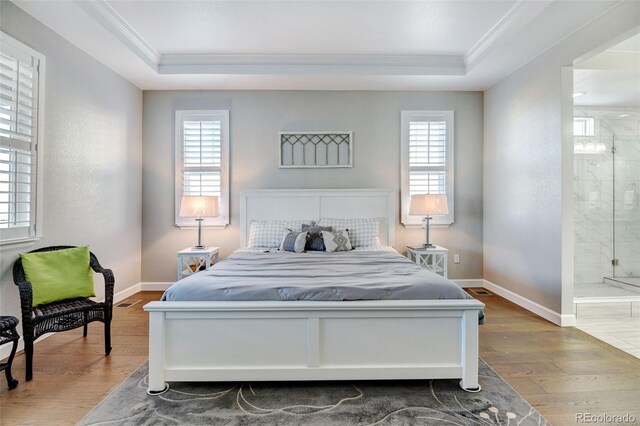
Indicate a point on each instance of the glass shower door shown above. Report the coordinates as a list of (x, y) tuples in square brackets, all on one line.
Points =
[(626, 209)]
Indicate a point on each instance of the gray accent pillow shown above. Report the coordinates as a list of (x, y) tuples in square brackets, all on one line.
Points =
[(293, 241), (336, 241), (314, 236)]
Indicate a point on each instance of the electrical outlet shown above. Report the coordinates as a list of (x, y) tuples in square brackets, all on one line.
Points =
[(456, 258)]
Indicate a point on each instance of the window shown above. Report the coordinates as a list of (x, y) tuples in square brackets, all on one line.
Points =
[(584, 126), (21, 112), (202, 161), (426, 160)]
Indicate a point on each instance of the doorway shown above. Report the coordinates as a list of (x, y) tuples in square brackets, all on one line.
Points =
[(607, 195)]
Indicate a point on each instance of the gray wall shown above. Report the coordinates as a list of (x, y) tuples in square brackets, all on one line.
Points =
[(527, 168), (257, 116), (92, 156)]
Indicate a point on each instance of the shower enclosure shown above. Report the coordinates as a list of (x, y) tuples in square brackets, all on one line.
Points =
[(626, 211), (607, 203)]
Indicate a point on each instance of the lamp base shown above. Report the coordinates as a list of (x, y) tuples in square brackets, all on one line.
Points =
[(199, 247), (427, 244)]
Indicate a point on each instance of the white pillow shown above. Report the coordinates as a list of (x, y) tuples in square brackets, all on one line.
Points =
[(362, 232), (268, 233)]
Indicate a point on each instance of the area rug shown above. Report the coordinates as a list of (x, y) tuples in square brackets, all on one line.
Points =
[(419, 402)]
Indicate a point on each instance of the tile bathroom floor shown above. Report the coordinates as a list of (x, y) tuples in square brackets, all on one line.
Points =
[(617, 324)]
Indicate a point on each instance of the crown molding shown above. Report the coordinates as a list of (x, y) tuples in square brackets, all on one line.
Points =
[(113, 21), (519, 14), (312, 64)]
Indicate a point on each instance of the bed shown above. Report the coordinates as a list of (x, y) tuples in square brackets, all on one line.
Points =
[(253, 317)]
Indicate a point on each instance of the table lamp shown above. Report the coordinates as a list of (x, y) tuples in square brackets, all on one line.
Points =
[(199, 207), (427, 205)]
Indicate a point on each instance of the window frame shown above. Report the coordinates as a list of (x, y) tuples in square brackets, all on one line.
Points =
[(405, 118), (35, 230), (180, 116)]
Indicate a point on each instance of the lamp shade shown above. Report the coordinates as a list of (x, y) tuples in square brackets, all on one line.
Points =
[(428, 204), (199, 206)]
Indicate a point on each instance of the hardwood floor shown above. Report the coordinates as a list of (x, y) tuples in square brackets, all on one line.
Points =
[(71, 374), (560, 371)]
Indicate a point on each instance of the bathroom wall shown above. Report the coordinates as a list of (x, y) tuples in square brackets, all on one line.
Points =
[(598, 180)]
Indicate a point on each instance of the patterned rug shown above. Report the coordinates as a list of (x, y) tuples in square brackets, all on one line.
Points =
[(419, 402)]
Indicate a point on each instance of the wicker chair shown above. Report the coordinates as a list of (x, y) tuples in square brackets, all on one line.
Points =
[(8, 334), (63, 315)]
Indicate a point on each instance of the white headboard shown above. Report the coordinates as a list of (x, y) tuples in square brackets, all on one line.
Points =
[(312, 204)]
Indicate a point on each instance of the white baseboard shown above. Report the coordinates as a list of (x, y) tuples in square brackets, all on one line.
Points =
[(566, 320), (155, 286), (127, 292), (5, 350), (470, 283)]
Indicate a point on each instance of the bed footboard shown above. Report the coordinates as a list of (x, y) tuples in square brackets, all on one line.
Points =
[(289, 341)]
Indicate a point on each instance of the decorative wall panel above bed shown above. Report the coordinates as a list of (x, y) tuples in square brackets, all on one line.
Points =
[(315, 149)]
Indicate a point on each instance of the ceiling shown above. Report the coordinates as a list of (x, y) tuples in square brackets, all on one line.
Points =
[(315, 28), (610, 78), (321, 45)]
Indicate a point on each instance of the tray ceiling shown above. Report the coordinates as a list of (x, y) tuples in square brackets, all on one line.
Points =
[(322, 45)]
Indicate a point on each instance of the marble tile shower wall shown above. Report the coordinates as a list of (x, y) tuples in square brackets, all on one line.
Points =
[(594, 192)]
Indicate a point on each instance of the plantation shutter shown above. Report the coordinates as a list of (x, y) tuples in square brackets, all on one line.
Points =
[(427, 160), (202, 157), (19, 77), (427, 157)]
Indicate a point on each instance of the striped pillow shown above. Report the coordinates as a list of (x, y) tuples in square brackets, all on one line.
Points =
[(293, 241)]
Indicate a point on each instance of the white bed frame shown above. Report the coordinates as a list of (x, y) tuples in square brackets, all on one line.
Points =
[(300, 340)]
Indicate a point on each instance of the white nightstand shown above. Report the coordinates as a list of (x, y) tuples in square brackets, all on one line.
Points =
[(191, 261), (434, 259)]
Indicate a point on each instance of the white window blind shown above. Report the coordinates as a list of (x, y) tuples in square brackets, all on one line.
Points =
[(20, 109), (584, 126), (427, 159), (201, 160)]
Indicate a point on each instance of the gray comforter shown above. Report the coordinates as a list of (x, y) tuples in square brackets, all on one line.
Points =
[(319, 276)]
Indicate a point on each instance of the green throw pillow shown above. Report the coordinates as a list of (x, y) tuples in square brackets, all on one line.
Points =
[(58, 275)]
